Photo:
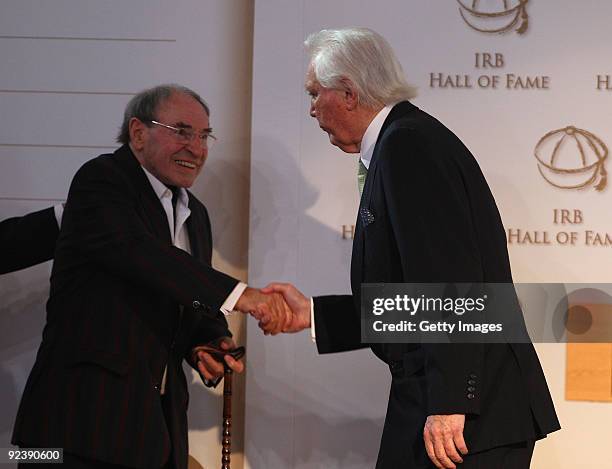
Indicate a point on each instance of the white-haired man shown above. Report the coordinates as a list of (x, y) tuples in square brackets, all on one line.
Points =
[(426, 216)]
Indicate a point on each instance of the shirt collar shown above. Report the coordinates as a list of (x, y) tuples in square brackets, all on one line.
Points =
[(368, 142), (162, 191)]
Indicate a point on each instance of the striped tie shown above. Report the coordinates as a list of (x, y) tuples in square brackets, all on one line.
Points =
[(362, 172)]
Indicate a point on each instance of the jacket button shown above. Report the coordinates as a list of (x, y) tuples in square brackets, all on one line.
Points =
[(470, 396), (471, 389), (196, 304), (156, 387), (471, 382), (473, 376)]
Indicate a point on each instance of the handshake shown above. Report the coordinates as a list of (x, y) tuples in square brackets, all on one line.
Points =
[(279, 307)]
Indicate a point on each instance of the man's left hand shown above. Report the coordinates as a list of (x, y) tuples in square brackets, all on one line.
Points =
[(444, 441), (211, 369)]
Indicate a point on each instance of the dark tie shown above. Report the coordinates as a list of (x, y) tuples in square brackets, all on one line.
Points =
[(175, 195)]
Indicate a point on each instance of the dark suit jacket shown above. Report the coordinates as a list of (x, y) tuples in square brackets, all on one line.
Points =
[(27, 240), (114, 322), (435, 220)]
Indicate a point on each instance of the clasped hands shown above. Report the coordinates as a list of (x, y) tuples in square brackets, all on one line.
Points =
[(279, 307)]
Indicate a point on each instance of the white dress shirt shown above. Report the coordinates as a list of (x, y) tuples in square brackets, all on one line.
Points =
[(368, 142)]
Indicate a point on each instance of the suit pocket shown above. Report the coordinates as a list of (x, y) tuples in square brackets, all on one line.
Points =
[(114, 363)]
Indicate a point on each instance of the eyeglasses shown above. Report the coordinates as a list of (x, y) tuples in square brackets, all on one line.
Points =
[(186, 135)]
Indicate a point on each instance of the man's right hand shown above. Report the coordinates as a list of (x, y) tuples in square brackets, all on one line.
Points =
[(271, 310), (299, 304)]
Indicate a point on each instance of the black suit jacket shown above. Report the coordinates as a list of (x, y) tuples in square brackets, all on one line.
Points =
[(435, 220), (124, 303), (27, 240)]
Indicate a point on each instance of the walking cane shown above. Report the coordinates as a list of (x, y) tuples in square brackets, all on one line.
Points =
[(218, 354), (226, 449), (227, 418)]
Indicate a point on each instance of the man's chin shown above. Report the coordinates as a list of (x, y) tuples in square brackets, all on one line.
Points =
[(183, 182), (186, 180), (346, 148)]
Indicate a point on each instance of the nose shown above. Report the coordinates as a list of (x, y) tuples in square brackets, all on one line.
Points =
[(197, 146), (313, 112)]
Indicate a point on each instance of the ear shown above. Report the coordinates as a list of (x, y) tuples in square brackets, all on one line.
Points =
[(138, 133), (351, 96)]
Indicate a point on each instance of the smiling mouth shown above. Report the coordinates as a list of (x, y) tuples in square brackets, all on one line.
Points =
[(185, 164)]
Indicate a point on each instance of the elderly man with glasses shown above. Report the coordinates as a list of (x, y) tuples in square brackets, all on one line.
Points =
[(133, 293)]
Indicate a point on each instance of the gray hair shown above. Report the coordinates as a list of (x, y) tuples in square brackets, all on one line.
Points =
[(365, 58), (145, 104)]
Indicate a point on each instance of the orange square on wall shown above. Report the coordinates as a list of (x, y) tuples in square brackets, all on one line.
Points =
[(588, 373)]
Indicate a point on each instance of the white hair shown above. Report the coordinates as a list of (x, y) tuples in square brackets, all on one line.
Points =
[(365, 58)]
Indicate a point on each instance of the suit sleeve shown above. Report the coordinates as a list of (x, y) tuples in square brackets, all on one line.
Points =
[(337, 324), (431, 222), (28, 240), (104, 226)]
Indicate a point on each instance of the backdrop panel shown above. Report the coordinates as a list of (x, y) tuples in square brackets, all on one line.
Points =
[(511, 96), (68, 69)]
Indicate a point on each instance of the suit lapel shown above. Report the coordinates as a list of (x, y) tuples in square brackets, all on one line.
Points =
[(364, 214), (149, 203)]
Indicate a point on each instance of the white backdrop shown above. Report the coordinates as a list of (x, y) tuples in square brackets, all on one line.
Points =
[(309, 411), (68, 69)]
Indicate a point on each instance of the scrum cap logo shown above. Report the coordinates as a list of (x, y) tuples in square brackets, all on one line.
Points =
[(495, 16), (572, 158)]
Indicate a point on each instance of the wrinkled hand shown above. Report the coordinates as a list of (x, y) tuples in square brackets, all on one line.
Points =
[(443, 436), (299, 304), (211, 369), (270, 310)]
